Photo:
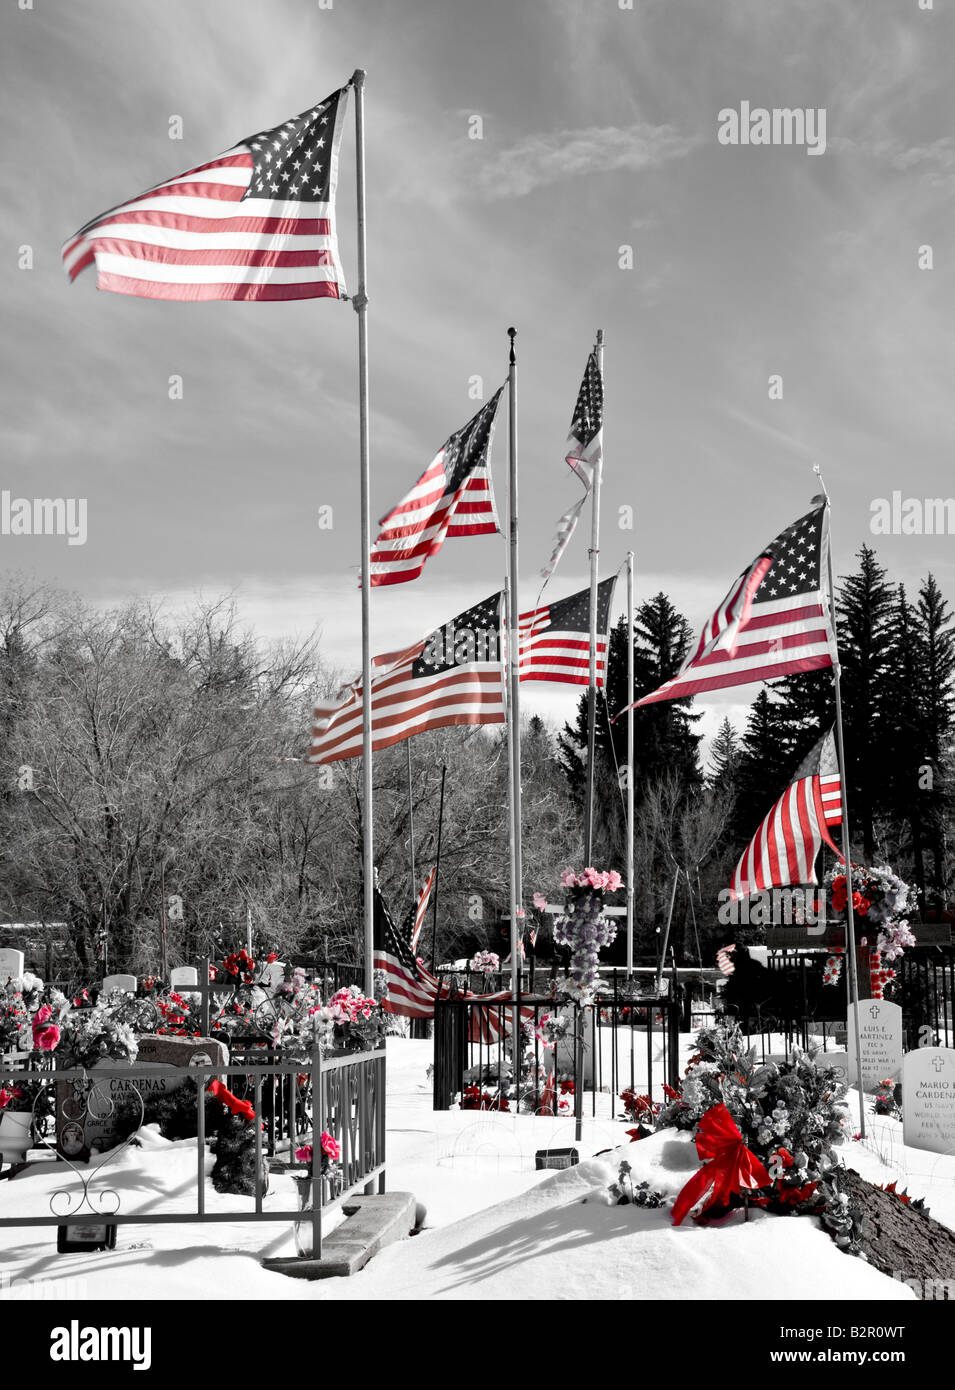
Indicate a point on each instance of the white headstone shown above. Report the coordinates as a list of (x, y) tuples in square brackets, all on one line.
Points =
[(124, 982), (928, 1099), (273, 974), (183, 977), (880, 1025), (11, 965)]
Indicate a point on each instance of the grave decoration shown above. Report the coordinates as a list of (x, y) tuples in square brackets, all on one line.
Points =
[(328, 1170), (585, 929), (779, 1118), (234, 1168), (882, 905)]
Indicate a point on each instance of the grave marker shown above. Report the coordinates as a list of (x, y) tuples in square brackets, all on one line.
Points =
[(880, 1027), (928, 1099), (11, 965)]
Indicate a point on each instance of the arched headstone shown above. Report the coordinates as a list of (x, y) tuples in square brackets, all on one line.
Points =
[(880, 1027), (11, 965), (184, 977), (928, 1099), (124, 982)]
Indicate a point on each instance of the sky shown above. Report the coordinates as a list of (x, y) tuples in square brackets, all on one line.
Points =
[(600, 131)]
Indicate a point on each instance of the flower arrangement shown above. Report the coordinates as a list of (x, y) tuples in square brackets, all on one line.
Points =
[(474, 1098), (880, 899), (584, 928), (330, 1151), (99, 1033), (484, 962), (790, 1114)]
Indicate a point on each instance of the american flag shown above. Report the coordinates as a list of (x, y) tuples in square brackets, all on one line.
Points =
[(454, 676), (584, 451), (416, 915), (256, 223), (411, 988), (773, 622), (453, 497), (783, 850), (555, 639)]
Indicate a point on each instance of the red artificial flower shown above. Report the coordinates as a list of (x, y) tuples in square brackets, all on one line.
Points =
[(785, 1156), (669, 1091), (634, 1135), (729, 1166), (794, 1196), (566, 1088), (213, 972), (5, 1097), (272, 955)]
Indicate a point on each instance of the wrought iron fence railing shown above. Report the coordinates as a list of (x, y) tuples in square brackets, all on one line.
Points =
[(618, 1042), (343, 1096)]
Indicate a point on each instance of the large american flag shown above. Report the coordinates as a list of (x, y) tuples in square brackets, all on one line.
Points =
[(453, 497), (454, 676), (256, 223), (584, 452), (773, 622), (783, 850), (555, 639)]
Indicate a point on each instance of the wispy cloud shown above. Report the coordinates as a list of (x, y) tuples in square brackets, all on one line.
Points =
[(538, 160)]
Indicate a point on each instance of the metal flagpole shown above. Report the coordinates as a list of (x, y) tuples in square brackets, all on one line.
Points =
[(846, 836), (592, 691), (414, 873), (360, 305), (630, 827), (437, 875), (513, 658)]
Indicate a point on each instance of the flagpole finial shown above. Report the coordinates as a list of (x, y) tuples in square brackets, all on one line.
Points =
[(512, 334), (358, 77), (600, 336), (822, 482)]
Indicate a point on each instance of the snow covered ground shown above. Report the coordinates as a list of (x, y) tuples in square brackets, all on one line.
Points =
[(495, 1227)]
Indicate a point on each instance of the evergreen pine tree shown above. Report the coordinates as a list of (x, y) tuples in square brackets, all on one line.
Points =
[(865, 617), (937, 692), (905, 732)]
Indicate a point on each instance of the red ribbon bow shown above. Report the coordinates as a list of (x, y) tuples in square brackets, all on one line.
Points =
[(245, 1108), (731, 1168)]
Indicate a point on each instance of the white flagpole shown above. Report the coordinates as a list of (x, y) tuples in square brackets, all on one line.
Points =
[(360, 305), (630, 793), (592, 691), (513, 661), (853, 977)]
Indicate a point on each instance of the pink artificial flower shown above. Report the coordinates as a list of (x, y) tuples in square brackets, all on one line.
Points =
[(304, 1155), (614, 881), (331, 1146), (540, 902), (46, 1035), (5, 1098), (568, 878)]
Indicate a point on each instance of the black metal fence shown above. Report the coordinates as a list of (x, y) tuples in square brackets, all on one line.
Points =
[(798, 1007), (616, 1043)]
